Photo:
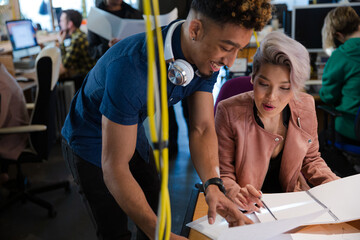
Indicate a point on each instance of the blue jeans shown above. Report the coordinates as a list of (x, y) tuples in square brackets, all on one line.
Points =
[(109, 219)]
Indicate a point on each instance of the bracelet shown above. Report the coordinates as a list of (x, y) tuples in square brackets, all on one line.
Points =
[(215, 181)]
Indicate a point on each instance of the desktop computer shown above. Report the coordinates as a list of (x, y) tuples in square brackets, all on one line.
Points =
[(22, 36)]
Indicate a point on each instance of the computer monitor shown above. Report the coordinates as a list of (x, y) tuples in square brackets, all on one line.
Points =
[(23, 38), (307, 22), (279, 11)]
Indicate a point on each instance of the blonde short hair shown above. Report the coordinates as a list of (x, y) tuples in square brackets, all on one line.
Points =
[(341, 19)]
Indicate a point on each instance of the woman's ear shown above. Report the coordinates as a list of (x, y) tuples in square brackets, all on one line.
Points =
[(340, 37), (252, 81)]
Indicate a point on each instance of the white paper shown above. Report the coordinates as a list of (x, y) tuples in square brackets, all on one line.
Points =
[(212, 231), (340, 197), (110, 26), (345, 236), (268, 230), (98, 23), (128, 27), (165, 19), (290, 205)]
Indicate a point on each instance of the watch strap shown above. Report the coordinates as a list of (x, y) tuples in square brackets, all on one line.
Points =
[(215, 181)]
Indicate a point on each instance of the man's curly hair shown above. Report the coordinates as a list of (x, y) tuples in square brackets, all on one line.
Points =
[(251, 14)]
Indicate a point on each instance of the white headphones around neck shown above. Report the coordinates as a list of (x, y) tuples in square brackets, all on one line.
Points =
[(180, 72)]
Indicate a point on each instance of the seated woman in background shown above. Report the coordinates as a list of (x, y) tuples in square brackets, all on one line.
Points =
[(341, 77), (268, 137)]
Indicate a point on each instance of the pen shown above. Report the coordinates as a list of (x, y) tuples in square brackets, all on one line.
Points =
[(268, 209)]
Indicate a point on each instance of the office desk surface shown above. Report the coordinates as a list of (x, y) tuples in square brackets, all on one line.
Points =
[(41, 39), (31, 74), (348, 227), (27, 85)]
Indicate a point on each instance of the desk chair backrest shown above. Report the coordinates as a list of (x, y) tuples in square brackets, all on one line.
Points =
[(233, 87), (55, 55), (47, 69)]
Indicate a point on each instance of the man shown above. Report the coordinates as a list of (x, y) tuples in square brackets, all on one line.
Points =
[(99, 45), (76, 62), (104, 140)]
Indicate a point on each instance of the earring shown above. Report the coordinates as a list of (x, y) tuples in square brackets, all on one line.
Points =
[(193, 39)]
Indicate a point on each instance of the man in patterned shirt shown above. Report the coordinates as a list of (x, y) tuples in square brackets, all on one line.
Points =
[(76, 62)]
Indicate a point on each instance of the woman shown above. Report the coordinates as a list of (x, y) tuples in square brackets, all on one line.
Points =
[(268, 137), (99, 45), (341, 77)]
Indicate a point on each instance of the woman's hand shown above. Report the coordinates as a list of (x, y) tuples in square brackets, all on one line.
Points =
[(248, 198)]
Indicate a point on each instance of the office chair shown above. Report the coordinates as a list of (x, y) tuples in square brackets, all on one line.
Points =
[(41, 132), (233, 87), (343, 157)]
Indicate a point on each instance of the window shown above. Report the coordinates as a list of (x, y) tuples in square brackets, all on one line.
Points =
[(39, 10), (4, 2)]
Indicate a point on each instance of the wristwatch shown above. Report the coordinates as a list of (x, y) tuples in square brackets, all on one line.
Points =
[(216, 181)]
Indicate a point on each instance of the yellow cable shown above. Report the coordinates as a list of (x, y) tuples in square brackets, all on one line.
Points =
[(256, 39), (165, 207), (164, 213)]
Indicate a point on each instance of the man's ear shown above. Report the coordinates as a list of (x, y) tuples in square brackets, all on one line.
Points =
[(70, 24), (195, 29)]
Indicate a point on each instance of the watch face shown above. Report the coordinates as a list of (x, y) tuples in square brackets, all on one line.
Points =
[(175, 77)]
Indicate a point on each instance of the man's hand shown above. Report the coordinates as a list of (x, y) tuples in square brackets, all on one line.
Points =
[(113, 41), (219, 203), (61, 36)]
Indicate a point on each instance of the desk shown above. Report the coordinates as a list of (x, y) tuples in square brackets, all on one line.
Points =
[(348, 227), (31, 74), (41, 39), (27, 85)]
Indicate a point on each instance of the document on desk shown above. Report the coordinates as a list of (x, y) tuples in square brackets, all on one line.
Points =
[(340, 198), (257, 231), (111, 26)]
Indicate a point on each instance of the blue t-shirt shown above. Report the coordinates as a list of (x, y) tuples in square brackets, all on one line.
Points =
[(117, 88)]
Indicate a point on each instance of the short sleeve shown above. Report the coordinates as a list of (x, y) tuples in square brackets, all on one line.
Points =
[(125, 91), (207, 85)]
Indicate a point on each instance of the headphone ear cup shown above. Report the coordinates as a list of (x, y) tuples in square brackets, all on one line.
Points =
[(186, 69)]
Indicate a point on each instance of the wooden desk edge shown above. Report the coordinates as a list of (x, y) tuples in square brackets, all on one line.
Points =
[(336, 228)]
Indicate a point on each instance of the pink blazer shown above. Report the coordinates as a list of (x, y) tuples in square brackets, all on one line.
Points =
[(245, 148)]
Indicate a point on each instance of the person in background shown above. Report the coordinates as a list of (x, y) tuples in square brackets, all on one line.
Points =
[(76, 62), (13, 113), (99, 45), (341, 77), (267, 137), (104, 139)]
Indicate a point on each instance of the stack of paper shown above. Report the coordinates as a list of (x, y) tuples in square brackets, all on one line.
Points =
[(340, 198), (258, 231), (333, 202)]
